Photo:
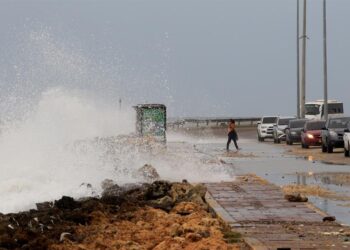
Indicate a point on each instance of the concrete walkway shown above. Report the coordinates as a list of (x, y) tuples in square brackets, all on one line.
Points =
[(258, 210)]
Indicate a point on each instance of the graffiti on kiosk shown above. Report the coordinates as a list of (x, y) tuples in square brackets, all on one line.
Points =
[(154, 122)]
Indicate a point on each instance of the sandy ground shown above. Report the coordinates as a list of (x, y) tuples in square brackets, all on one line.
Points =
[(316, 154), (313, 190)]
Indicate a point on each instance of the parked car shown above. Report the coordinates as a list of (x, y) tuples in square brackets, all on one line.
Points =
[(293, 131), (278, 129), (333, 132), (346, 139), (265, 127), (311, 134)]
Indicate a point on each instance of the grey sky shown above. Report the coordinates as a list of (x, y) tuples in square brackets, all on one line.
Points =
[(199, 57)]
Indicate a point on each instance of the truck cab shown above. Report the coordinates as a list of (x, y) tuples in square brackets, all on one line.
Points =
[(315, 110)]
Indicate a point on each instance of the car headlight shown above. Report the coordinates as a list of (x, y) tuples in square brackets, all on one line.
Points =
[(310, 136), (293, 133), (263, 126)]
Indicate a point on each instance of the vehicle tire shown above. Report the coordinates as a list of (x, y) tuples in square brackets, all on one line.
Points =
[(329, 148), (347, 152), (278, 141), (324, 148), (287, 140), (306, 146), (302, 145), (274, 140)]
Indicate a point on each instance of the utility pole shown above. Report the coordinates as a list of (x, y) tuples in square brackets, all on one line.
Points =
[(298, 66), (325, 76), (302, 87)]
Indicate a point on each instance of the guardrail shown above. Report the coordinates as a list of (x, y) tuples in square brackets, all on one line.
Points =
[(211, 122)]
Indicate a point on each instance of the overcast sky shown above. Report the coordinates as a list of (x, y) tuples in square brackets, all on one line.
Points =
[(199, 57)]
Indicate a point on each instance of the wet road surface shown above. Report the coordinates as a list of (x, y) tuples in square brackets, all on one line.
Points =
[(272, 163)]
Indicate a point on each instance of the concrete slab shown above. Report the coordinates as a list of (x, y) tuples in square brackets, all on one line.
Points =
[(258, 210)]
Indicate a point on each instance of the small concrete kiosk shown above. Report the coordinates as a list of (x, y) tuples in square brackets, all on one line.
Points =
[(151, 121)]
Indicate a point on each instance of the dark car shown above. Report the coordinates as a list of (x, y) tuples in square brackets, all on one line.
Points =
[(333, 132), (293, 131), (279, 128), (311, 134)]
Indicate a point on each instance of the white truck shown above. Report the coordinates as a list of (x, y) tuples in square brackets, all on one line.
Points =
[(265, 127), (315, 110)]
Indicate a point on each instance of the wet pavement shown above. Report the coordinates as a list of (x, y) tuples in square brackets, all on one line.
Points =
[(272, 163), (266, 220)]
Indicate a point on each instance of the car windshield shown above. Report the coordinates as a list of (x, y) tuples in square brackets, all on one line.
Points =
[(284, 121), (312, 109), (315, 125), (339, 122), (297, 124), (269, 120)]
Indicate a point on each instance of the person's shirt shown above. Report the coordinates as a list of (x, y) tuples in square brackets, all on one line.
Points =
[(231, 127)]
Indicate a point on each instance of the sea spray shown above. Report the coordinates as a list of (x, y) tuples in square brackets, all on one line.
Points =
[(62, 131), (37, 156)]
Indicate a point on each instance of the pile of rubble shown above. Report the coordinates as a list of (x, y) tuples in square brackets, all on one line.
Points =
[(159, 215)]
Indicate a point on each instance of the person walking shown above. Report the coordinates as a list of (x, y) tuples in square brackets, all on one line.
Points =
[(232, 135)]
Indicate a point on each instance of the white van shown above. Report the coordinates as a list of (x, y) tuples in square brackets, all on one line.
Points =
[(315, 110)]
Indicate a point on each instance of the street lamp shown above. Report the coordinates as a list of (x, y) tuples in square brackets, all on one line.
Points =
[(303, 78), (298, 61), (325, 82)]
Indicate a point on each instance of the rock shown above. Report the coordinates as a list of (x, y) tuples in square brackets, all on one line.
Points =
[(176, 230), (193, 237), (166, 203), (44, 205), (64, 236), (157, 190), (78, 217), (148, 173), (196, 198), (180, 191), (199, 189), (185, 208), (295, 198), (107, 183), (115, 194), (90, 205), (328, 218), (114, 190), (209, 222), (66, 202)]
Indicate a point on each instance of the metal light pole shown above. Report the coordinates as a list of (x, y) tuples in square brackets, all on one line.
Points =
[(298, 61), (302, 88), (325, 61)]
